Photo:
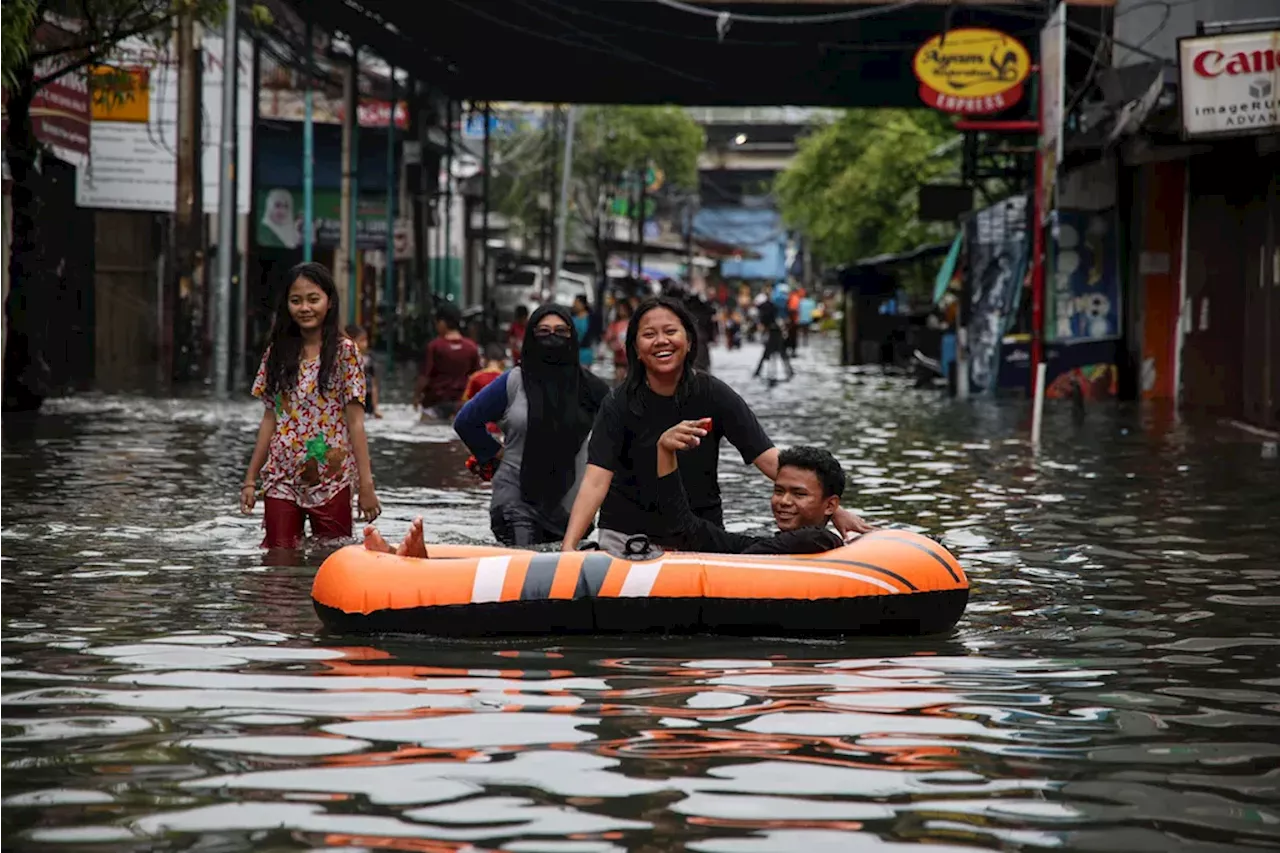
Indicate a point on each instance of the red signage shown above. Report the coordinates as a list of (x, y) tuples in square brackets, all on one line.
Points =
[(1215, 63), (60, 111)]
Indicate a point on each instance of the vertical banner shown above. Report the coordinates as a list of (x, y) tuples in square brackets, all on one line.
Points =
[(998, 255), (1053, 58)]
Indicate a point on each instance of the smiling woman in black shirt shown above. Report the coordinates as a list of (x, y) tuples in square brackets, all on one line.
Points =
[(662, 389)]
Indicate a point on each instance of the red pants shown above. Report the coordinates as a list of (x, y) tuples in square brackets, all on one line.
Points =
[(283, 520)]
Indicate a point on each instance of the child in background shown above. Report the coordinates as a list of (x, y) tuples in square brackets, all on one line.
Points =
[(515, 337), (495, 358), (361, 338), (311, 438), (616, 337)]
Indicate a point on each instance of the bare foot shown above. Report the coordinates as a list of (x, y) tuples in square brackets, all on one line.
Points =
[(373, 541), (414, 544)]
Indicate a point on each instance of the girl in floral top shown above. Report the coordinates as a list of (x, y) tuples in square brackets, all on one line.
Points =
[(312, 434)]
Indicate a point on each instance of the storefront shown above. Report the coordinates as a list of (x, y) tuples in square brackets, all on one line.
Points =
[(1230, 311)]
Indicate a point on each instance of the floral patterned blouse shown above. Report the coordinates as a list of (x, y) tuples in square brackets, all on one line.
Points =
[(309, 460)]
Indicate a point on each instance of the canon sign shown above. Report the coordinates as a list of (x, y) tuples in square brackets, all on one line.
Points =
[(1215, 63), (1230, 84)]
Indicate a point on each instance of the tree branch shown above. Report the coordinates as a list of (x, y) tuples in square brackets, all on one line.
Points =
[(94, 54)]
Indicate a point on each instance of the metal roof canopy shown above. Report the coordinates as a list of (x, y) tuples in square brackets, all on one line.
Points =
[(644, 52)]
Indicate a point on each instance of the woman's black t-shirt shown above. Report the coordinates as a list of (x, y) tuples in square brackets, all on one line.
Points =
[(624, 440)]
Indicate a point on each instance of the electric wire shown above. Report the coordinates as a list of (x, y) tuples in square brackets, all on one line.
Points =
[(825, 18)]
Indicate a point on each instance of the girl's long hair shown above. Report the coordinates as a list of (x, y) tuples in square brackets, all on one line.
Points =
[(636, 378), (285, 347)]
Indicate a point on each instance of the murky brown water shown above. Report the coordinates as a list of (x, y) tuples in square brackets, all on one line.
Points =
[(1113, 685)]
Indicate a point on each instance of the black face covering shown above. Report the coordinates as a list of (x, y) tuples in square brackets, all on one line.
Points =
[(563, 400)]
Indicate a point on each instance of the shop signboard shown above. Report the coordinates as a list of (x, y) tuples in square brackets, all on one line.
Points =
[(134, 142), (1084, 304), (60, 114), (1230, 84), (280, 225), (972, 71)]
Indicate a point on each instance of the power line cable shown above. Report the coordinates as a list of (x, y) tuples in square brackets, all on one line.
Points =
[(626, 54), (825, 18)]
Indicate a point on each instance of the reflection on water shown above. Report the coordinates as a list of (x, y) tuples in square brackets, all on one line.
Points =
[(1111, 687)]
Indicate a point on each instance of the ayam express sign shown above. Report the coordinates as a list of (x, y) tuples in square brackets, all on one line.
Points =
[(972, 71)]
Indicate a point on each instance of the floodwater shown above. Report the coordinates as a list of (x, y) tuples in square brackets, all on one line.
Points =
[(1112, 687)]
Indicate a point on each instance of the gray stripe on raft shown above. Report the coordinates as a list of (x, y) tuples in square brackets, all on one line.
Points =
[(538, 579), (591, 578)]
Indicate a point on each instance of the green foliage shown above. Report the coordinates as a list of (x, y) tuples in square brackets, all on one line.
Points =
[(851, 189), (17, 26), (610, 142), (87, 31), (617, 139)]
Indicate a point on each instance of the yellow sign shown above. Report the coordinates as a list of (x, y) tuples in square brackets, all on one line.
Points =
[(121, 94), (972, 71)]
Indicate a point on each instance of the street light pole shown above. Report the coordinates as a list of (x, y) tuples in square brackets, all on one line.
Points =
[(226, 207), (562, 214)]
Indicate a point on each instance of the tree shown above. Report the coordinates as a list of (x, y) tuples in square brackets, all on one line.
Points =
[(611, 143), (84, 34), (614, 142), (851, 189)]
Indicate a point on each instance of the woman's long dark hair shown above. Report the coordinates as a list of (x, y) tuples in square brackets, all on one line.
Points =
[(636, 375), (285, 351)]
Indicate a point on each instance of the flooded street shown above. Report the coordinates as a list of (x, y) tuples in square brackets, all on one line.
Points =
[(1112, 686)]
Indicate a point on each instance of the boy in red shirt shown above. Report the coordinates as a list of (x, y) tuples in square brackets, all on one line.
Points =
[(450, 361), (495, 358)]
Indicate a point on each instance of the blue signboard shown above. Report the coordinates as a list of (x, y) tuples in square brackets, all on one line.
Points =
[(1084, 280), (500, 124)]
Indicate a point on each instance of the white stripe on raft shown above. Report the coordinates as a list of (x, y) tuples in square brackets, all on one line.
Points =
[(641, 576), (491, 573)]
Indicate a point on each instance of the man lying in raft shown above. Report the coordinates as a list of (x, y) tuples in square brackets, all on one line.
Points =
[(806, 494)]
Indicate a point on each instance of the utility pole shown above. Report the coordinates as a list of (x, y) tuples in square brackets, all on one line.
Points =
[(226, 205), (389, 267), (553, 189), (308, 154), (350, 187), (188, 213), (640, 218), (484, 253), (570, 123)]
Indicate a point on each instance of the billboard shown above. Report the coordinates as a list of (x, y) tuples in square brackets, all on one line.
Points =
[(134, 144), (1230, 84)]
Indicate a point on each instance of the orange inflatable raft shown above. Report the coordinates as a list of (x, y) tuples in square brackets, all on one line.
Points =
[(887, 582)]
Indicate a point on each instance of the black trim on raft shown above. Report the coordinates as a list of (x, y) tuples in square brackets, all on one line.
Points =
[(874, 568), (876, 615), (884, 534), (539, 577)]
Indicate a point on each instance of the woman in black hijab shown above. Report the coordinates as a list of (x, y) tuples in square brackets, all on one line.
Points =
[(545, 408)]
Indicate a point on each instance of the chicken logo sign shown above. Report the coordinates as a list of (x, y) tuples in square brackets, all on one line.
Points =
[(972, 71)]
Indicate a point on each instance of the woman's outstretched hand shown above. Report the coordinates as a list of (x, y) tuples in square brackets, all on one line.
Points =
[(685, 435)]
